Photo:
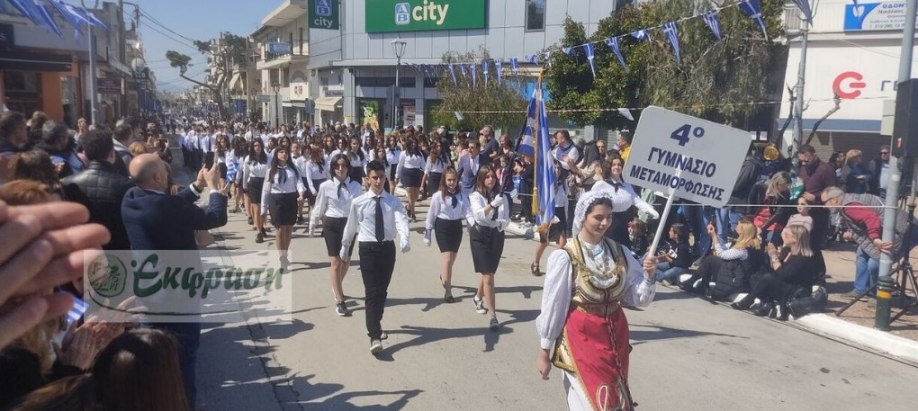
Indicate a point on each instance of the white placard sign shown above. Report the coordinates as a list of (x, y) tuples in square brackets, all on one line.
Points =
[(681, 155)]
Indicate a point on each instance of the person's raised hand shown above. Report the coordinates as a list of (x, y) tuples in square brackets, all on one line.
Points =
[(212, 177), (45, 246)]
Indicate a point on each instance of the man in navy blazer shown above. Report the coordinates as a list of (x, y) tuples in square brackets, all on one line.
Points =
[(468, 165), (156, 220)]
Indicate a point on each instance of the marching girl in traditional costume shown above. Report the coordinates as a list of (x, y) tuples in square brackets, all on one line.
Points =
[(283, 189), (448, 206), (582, 328), (410, 172), (489, 216), (254, 171), (333, 203)]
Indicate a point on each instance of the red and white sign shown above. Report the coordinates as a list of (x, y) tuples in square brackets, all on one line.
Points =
[(862, 76)]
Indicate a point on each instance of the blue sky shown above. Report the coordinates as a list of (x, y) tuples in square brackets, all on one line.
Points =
[(196, 20)]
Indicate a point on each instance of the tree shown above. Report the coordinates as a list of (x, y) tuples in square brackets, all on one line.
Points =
[(479, 102), (719, 80), (231, 49)]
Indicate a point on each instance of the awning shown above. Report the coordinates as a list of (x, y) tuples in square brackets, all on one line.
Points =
[(235, 79), (23, 61), (327, 103), (297, 104)]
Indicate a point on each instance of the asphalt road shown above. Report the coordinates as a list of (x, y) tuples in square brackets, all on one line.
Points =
[(688, 354)]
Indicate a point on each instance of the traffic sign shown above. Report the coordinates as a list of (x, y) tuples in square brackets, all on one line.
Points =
[(685, 156)]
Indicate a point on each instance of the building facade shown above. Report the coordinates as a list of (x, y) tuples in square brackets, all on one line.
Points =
[(281, 54), (352, 64), (853, 51)]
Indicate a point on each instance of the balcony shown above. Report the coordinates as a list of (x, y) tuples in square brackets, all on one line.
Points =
[(285, 13), (793, 20), (299, 55)]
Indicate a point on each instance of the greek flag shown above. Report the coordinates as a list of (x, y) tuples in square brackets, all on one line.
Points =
[(672, 34), (710, 18), (752, 9), (804, 6), (617, 51), (544, 206)]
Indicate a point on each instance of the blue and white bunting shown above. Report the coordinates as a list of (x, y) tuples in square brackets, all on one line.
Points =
[(672, 34), (532, 58), (497, 68), (804, 6), (710, 18), (484, 70), (515, 66), (48, 19), (752, 9), (617, 51), (462, 70), (452, 74), (474, 72), (588, 50), (641, 34)]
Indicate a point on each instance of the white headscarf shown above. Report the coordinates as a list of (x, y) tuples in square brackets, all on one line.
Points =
[(585, 201)]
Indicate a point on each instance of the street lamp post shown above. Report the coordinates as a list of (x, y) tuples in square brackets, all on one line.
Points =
[(398, 47), (276, 87), (93, 87)]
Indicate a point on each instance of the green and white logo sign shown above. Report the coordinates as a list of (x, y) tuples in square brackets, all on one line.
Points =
[(387, 16), (188, 286)]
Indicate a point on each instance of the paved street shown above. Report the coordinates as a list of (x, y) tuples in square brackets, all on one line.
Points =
[(688, 354)]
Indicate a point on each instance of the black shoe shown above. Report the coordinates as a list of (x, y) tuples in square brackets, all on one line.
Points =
[(300, 221), (743, 304), (259, 238), (251, 222), (763, 309)]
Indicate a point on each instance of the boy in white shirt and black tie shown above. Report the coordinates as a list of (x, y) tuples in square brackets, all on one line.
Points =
[(376, 217)]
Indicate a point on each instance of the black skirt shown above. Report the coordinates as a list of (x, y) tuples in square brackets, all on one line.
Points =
[(555, 230), (334, 233), (449, 234), (223, 171), (315, 183), (283, 208), (618, 229), (433, 183), (487, 248), (392, 169), (254, 189), (411, 177)]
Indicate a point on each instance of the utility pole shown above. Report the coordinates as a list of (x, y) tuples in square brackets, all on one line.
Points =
[(886, 282), (93, 86), (798, 107)]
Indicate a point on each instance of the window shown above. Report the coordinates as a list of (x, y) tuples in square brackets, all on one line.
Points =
[(535, 15), (291, 42), (405, 82)]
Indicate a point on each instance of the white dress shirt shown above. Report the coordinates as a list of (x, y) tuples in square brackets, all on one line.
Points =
[(477, 216), (362, 221), (409, 161), (332, 202), (316, 172), (292, 184), (442, 208), (624, 197), (300, 163), (393, 155), (556, 294), (252, 169), (436, 165)]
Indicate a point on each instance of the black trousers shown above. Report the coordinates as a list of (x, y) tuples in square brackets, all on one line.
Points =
[(377, 260), (769, 287)]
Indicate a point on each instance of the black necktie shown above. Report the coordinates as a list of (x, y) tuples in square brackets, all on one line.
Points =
[(616, 185), (455, 200), (282, 175), (380, 224), (494, 216), (341, 186)]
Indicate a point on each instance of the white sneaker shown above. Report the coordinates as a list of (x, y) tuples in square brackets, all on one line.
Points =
[(479, 305), (375, 346)]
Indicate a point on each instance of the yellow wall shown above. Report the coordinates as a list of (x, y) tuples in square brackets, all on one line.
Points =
[(51, 95)]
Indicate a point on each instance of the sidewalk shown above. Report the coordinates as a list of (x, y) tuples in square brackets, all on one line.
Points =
[(854, 326)]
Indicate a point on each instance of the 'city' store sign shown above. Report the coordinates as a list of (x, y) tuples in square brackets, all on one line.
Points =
[(387, 16)]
